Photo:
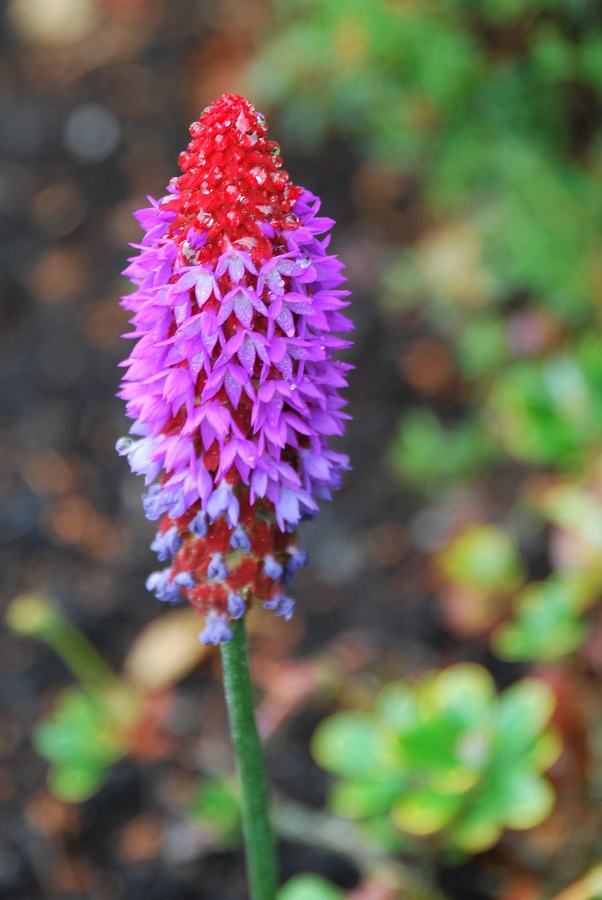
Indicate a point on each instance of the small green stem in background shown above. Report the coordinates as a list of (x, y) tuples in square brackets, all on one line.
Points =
[(259, 840), (35, 615)]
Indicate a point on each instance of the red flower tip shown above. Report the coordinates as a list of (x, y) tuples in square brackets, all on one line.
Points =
[(233, 186)]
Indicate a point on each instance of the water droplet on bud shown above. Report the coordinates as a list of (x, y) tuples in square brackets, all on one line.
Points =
[(234, 217), (279, 179), (242, 123), (259, 174), (123, 445)]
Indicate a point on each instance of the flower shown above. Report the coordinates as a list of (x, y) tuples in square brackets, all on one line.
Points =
[(231, 383)]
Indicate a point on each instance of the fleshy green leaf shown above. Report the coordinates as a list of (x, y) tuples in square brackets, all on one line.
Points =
[(217, 805), (309, 887), (529, 798), (73, 784), (482, 557), (523, 710), (425, 812), (357, 800), (347, 744)]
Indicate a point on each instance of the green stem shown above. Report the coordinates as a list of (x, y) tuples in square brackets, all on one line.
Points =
[(259, 840), (35, 615)]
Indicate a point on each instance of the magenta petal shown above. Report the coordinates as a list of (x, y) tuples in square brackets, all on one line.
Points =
[(243, 309), (277, 350), (186, 374), (266, 391), (233, 388)]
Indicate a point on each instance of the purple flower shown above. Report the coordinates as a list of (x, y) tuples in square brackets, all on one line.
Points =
[(297, 560), (236, 606), (240, 538), (283, 606), (166, 544), (184, 580), (272, 569), (198, 525), (162, 586), (232, 382), (216, 567), (216, 630)]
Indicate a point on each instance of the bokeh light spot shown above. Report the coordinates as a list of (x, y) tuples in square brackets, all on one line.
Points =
[(92, 133)]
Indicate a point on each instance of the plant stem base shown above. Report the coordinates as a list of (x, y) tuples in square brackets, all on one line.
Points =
[(259, 840)]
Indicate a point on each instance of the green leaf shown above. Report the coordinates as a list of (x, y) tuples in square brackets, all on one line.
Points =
[(482, 346), (528, 798), (430, 748), (380, 833), (466, 691), (426, 454), (483, 557), (78, 730), (543, 412), (523, 711), (309, 887), (522, 640), (545, 751), (217, 805), (476, 831), (347, 744), (73, 784), (395, 707), (426, 812), (546, 625), (357, 800)]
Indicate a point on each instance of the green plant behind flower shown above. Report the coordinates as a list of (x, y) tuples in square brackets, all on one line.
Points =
[(445, 756), (89, 728), (216, 806), (478, 104), (308, 886)]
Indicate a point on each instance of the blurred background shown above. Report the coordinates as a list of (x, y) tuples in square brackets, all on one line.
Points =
[(458, 144)]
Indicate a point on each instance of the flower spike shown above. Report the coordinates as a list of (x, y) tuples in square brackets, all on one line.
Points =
[(231, 383)]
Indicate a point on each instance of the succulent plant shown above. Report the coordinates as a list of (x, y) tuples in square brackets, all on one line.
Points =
[(446, 756)]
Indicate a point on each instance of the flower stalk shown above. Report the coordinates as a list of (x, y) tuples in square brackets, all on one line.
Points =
[(259, 840)]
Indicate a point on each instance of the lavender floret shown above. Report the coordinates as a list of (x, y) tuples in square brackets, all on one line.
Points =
[(165, 545), (236, 606), (216, 630)]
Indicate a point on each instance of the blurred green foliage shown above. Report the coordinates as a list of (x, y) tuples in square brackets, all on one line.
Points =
[(81, 742), (494, 108), (216, 806), (547, 623), (91, 724), (482, 557), (425, 452), (309, 887), (445, 756)]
